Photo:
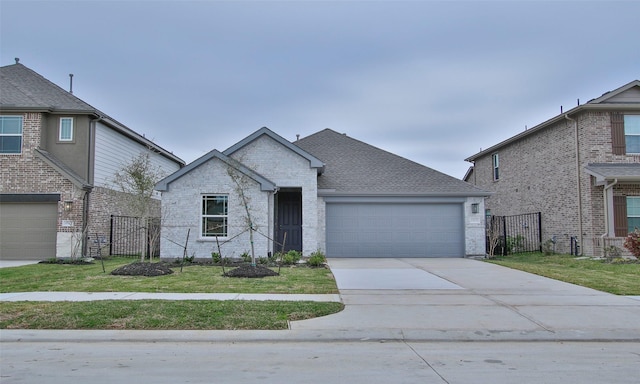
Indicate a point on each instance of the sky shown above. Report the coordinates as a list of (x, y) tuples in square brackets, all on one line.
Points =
[(432, 81)]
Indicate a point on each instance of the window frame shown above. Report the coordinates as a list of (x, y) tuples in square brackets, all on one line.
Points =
[(636, 216), (495, 166), (71, 138), (626, 135), (20, 135), (203, 216)]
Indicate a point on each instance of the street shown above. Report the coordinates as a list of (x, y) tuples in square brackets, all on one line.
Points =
[(352, 362)]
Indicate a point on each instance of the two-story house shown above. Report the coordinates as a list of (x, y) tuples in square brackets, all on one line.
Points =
[(580, 169), (58, 159)]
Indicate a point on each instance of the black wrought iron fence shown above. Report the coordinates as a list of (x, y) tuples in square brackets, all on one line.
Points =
[(130, 236), (514, 234)]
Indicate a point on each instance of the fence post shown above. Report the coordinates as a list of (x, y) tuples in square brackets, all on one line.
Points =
[(111, 236), (504, 234), (540, 230)]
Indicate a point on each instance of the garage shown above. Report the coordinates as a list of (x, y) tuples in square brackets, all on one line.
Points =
[(28, 230), (394, 229)]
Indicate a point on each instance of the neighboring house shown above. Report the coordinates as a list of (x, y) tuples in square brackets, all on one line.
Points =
[(326, 192), (58, 159), (580, 169)]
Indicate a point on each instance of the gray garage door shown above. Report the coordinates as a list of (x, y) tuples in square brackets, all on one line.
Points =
[(28, 231), (394, 230)]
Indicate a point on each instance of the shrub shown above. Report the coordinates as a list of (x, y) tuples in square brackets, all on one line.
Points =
[(246, 257), (263, 260), (215, 256), (316, 259), (548, 247), (292, 257), (632, 243)]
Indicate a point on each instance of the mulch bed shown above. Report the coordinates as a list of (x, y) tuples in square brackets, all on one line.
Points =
[(251, 271), (143, 269)]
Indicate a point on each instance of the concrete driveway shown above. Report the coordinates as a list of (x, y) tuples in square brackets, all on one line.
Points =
[(465, 299)]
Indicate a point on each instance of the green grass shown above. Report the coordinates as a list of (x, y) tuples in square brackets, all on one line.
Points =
[(160, 314), (619, 279), (193, 278)]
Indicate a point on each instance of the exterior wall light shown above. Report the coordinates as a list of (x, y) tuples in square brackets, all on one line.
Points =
[(475, 208), (67, 205)]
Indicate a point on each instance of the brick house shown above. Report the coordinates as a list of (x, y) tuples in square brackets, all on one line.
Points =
[(58, 158), (326, 192), (580, 169)]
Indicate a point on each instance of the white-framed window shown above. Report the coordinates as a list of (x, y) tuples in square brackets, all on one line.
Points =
[(632, 133), (495, 159), (633, 213), (65, 132), (215, 216), (10, 134)]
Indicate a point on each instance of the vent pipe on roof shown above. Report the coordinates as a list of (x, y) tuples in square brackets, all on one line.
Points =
[(17, 60), (71, 83)]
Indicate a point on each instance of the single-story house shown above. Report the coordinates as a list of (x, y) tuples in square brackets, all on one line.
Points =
[(326, 192)]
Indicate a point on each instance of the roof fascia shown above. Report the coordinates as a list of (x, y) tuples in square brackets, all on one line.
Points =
[(314, 162), (615, 92), (265, 184), (333, 193)]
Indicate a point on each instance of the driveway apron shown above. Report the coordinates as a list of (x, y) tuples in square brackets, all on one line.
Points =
[(466, 299)]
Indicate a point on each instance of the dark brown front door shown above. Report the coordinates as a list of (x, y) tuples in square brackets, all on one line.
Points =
[(289, 221)]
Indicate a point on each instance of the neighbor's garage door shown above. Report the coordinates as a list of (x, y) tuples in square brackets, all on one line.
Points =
[(28, 231), (394, 230)]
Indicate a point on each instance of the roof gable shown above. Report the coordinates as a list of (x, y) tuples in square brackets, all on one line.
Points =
[(314, 162), (354, 167), (265, 184), (629, 93)]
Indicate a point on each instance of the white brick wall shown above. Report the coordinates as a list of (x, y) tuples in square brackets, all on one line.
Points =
[(474, 224)]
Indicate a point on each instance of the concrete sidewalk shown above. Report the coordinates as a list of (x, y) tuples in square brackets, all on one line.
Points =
[(94, 296)]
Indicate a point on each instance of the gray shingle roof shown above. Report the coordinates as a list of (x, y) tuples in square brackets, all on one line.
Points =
[(24, 88), (354, 167), (611, 171)]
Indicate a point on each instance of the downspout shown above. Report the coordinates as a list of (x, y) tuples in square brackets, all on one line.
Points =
[(578, 188), (606, 212), (87, 194)]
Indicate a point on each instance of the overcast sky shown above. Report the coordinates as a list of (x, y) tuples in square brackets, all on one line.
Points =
[(431, 81)]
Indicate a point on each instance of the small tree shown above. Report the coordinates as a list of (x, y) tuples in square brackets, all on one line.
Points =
[(494, 235), (242, 184), (137, 179), (632, 243)]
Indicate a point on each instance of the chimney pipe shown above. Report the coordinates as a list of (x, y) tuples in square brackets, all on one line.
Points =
[(71, 83)]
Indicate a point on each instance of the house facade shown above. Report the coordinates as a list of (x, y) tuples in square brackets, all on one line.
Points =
[(58, 159), (579, 169), (325, 192)]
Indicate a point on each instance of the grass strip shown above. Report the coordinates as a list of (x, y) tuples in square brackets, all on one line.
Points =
[(161, 314)]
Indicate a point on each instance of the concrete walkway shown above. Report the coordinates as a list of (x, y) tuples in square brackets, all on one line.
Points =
[(413, 299)]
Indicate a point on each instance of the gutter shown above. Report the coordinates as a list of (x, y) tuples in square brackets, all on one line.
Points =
[(578, 188)]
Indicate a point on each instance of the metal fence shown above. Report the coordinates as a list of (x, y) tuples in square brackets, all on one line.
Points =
[(129, 236), (514, 234)]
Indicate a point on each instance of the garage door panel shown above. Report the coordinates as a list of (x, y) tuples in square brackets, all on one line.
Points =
[(394, 230), (28, 230)]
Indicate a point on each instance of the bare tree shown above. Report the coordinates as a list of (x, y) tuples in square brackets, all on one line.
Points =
[(494, 234), (242, 183), (137, 179)]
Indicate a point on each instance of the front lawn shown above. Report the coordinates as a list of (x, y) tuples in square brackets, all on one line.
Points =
[(161, 314), (616, 278)]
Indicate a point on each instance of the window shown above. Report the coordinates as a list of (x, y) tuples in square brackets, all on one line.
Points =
[(11, 134), (633, 213), (632, 133), (65, 132), (625, 134), (214, 215), (496, 166)]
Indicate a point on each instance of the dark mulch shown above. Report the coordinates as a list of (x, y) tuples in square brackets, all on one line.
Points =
[(66, 261), (143, 269), (251, 271)]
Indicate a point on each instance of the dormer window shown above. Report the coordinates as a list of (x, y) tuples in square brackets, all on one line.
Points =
[(65, 132)]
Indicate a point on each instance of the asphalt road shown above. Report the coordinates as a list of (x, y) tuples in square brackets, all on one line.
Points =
[(353, 362)]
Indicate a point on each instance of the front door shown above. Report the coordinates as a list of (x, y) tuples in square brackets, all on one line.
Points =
[(289, 220)]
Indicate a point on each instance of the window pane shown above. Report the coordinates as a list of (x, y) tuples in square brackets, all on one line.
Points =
[(66, 128), (215, 205), (633, 206), (11, 125), (632, 124), (214, 226), (632, 144), (10, 144), (633, 223)]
